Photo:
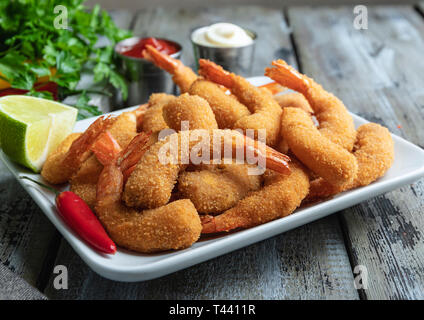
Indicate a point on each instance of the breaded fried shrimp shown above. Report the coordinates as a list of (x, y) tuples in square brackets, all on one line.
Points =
[(215, 188), (52, 172), (182, 76), (153, 119), (374, 152), (335, 122), (218, 188), (174, 226), (325, 158), (124, 128), (295, 100), (280, 196), (266, 112), (193, 109), (227, 108), (151, 183), (84, 181), (61, 164), (139, 114)]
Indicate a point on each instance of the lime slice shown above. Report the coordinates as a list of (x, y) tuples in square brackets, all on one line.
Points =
[(30, 128)]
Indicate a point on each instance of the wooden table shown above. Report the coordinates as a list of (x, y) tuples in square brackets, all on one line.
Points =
[(377, 72)]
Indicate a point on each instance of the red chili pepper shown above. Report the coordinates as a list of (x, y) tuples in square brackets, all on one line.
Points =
[(78, 215)]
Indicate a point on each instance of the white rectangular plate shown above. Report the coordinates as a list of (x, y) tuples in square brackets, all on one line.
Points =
[(129, 266)]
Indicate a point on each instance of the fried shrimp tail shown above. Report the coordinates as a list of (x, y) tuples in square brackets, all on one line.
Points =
[(118, 135), (61, 164), (106, 148), (182, 76), (151, 183), (274, 160), (266, 112), (273, 87), (213, 72), (335, 122)]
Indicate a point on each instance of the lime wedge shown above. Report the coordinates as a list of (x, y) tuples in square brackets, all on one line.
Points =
[(30, 128)]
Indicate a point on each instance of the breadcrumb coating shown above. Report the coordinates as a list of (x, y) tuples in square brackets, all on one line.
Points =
[(151, 183), (152, 119), (51, 172), (280, 196), (226, 108), (295, 100), (374, 152), (192, 109), (173, 226), (219, 188), (325, 158), (84, 182), (335, 122)]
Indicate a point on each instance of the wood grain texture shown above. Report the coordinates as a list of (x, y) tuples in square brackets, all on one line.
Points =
[(376, 73), (273, 34), (307, 263), (25, 232)]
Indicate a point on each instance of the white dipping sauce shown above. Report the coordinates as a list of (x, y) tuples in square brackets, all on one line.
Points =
[(223, 35)]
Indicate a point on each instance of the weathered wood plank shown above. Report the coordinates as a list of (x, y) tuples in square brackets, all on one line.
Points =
[(25, 233), (123, 18), (376, 73), (309, 262)]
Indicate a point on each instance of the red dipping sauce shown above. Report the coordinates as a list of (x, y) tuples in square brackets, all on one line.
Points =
[(136, 50)]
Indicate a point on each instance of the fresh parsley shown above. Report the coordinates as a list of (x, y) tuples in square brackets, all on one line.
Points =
[(31, 47)]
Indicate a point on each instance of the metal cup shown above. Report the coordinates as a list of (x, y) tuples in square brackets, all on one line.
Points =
[(235, 59), (143, 77)]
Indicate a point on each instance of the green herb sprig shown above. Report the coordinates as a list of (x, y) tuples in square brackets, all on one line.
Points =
[(31, 46)]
